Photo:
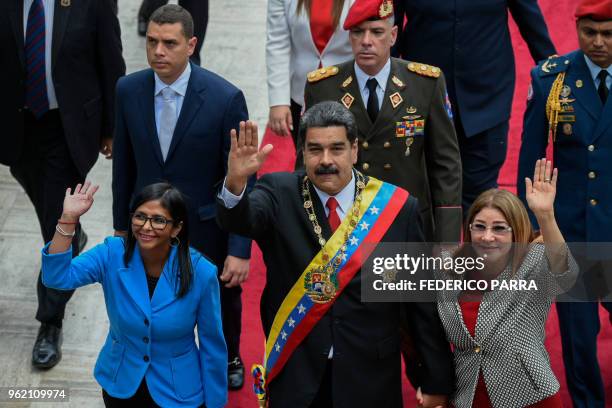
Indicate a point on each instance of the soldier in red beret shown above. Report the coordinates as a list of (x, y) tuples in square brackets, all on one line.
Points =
[(569, 103)]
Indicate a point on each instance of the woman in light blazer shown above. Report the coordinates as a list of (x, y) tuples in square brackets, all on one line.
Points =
[(302, 35), (498, 335), (157, 290)]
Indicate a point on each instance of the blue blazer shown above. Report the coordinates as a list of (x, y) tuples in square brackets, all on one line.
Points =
[(470, 41), (582, 151), (197, 158), (152, 338)]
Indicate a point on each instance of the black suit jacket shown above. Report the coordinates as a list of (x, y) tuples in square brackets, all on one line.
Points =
[(197, 157), (365, 336), (86, 63)]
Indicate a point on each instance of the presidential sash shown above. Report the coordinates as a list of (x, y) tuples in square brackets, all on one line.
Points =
[(314, 292)]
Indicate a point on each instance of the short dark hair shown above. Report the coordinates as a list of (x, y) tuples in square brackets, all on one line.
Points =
[(171, 14), (326, 114), (172, 200)]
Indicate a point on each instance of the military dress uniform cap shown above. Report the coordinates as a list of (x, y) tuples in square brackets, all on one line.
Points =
[(363, 10), (598, 10)]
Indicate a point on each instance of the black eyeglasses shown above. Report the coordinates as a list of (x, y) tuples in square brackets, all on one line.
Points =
[(499, 229), (158, 222)]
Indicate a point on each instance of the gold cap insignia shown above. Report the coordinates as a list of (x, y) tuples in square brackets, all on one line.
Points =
[(385, 9), (319, 74)]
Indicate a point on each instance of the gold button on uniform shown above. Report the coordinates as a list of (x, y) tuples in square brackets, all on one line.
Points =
[(591, 148), (365, 166), (387, 166), (365, 145), (593, 201), (387, 145), (592, 174), (477, 349)]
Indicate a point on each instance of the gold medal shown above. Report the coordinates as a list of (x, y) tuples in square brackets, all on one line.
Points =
[(566, 91), (579, 83), (411, 110)]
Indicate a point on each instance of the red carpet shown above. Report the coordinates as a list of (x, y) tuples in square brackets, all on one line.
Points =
[(562, 28)]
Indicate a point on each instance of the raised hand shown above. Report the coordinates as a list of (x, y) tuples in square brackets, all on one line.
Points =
[(541, 192), (79, 202), (245, 158)]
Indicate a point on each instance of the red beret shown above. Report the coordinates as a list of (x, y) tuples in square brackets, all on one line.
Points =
[(363, 10), (599, 10)]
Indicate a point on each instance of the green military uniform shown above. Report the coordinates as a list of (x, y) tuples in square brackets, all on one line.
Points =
[(412, 143)]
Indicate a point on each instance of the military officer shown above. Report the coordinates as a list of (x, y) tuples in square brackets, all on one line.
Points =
[(568, 105), (403, 115)]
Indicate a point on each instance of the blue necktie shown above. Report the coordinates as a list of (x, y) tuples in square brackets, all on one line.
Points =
[(36, 82)]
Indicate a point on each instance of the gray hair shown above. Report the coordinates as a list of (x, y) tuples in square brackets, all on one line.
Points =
[(171, 14), (327, 114)]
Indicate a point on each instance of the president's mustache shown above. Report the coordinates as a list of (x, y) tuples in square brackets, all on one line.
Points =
[(323, 170)]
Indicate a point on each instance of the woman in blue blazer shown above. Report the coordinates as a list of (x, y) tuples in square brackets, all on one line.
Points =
[(157, 290)]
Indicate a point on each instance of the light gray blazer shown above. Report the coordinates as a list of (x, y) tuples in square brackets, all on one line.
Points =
[(291, 53), (508, 345)]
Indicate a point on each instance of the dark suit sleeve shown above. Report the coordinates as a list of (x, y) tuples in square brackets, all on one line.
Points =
[(254, 214), (534, 138), (235, 112), (124, 166), (531, 24), (110, 63), (428, 358), (443, 168)]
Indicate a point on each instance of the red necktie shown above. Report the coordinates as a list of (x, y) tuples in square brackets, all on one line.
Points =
[(333, 218)]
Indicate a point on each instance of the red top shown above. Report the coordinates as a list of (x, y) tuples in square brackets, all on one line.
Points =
[(321, 23), (469, 310)]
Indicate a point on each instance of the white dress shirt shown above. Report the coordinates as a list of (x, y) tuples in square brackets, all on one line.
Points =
[(179, 87), (49, 12), (382, 77)]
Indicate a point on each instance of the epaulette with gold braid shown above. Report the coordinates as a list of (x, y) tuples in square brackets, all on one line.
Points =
[(322, 73), (553, 65), (424, 69)]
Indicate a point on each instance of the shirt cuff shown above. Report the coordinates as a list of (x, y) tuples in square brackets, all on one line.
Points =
[(230, 200)]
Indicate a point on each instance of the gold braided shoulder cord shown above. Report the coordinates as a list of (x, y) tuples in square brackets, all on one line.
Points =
[(553, 106)]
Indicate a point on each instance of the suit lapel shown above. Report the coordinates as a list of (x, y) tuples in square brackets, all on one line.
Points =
[(16, 17), (135, 284), (146, 99), (194, 98), (164, 293), (586, 94), (60, 21), (357, 107), (386, 109)]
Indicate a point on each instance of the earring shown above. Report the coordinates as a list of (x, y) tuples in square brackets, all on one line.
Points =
[(175, 242)]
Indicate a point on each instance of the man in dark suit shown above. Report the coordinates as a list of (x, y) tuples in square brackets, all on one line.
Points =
[(571, 92), (198, 10), (60, 63), (172, 125), (405, 130), (336, 349), (470, 41)]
